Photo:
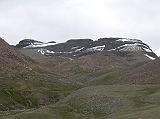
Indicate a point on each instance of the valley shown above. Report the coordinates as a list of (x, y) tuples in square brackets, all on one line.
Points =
[(111, 78)]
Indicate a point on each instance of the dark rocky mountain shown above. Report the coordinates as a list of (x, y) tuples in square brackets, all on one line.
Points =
[(79, 47), (27, 42)]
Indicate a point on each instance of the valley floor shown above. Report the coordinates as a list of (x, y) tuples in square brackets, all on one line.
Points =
[(100, 102)]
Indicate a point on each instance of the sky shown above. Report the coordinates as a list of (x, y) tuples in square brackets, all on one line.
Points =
[(61, 20)]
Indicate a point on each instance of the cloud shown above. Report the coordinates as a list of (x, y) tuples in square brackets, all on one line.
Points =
[(60, 20)]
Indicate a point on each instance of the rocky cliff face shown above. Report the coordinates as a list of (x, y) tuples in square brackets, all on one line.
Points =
[(79, 47)]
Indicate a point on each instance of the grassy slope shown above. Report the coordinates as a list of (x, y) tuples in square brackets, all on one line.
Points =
[(24, 83), (31, 89), (144, 73), (95, 100), (101, 102)]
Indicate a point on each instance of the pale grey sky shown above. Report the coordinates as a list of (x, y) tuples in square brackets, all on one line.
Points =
[(60, 20)]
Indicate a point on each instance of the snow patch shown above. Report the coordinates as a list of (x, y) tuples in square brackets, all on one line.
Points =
[(78, 50), (97, 48), (44, 51), (111, 50), (74, 48), (147, 50), (37, 45), (129, 40), (41, 51), (152, 58), (134, 47), (51, 52)]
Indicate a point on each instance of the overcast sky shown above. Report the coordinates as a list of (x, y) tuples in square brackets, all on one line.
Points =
[(60, 20)]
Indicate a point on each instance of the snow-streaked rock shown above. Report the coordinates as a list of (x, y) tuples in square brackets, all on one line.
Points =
[(78, 47), (152, 58)]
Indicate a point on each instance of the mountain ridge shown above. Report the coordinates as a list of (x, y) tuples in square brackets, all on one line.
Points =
[(74, 48)]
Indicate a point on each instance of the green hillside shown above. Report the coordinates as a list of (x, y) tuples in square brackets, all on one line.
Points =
[(96, 86)]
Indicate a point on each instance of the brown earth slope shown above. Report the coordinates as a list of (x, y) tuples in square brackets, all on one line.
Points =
[(11, 60), (144, 73)]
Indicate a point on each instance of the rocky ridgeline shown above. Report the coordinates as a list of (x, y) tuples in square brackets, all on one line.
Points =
[(78, 47)]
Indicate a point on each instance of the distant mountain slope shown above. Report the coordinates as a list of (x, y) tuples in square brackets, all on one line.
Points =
[(148, 73), (79, 47), (143, 73)]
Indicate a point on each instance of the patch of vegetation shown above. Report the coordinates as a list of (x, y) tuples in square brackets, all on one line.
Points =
[(31, 90)]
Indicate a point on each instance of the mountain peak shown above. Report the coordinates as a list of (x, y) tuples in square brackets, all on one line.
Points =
[(30, 43)]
